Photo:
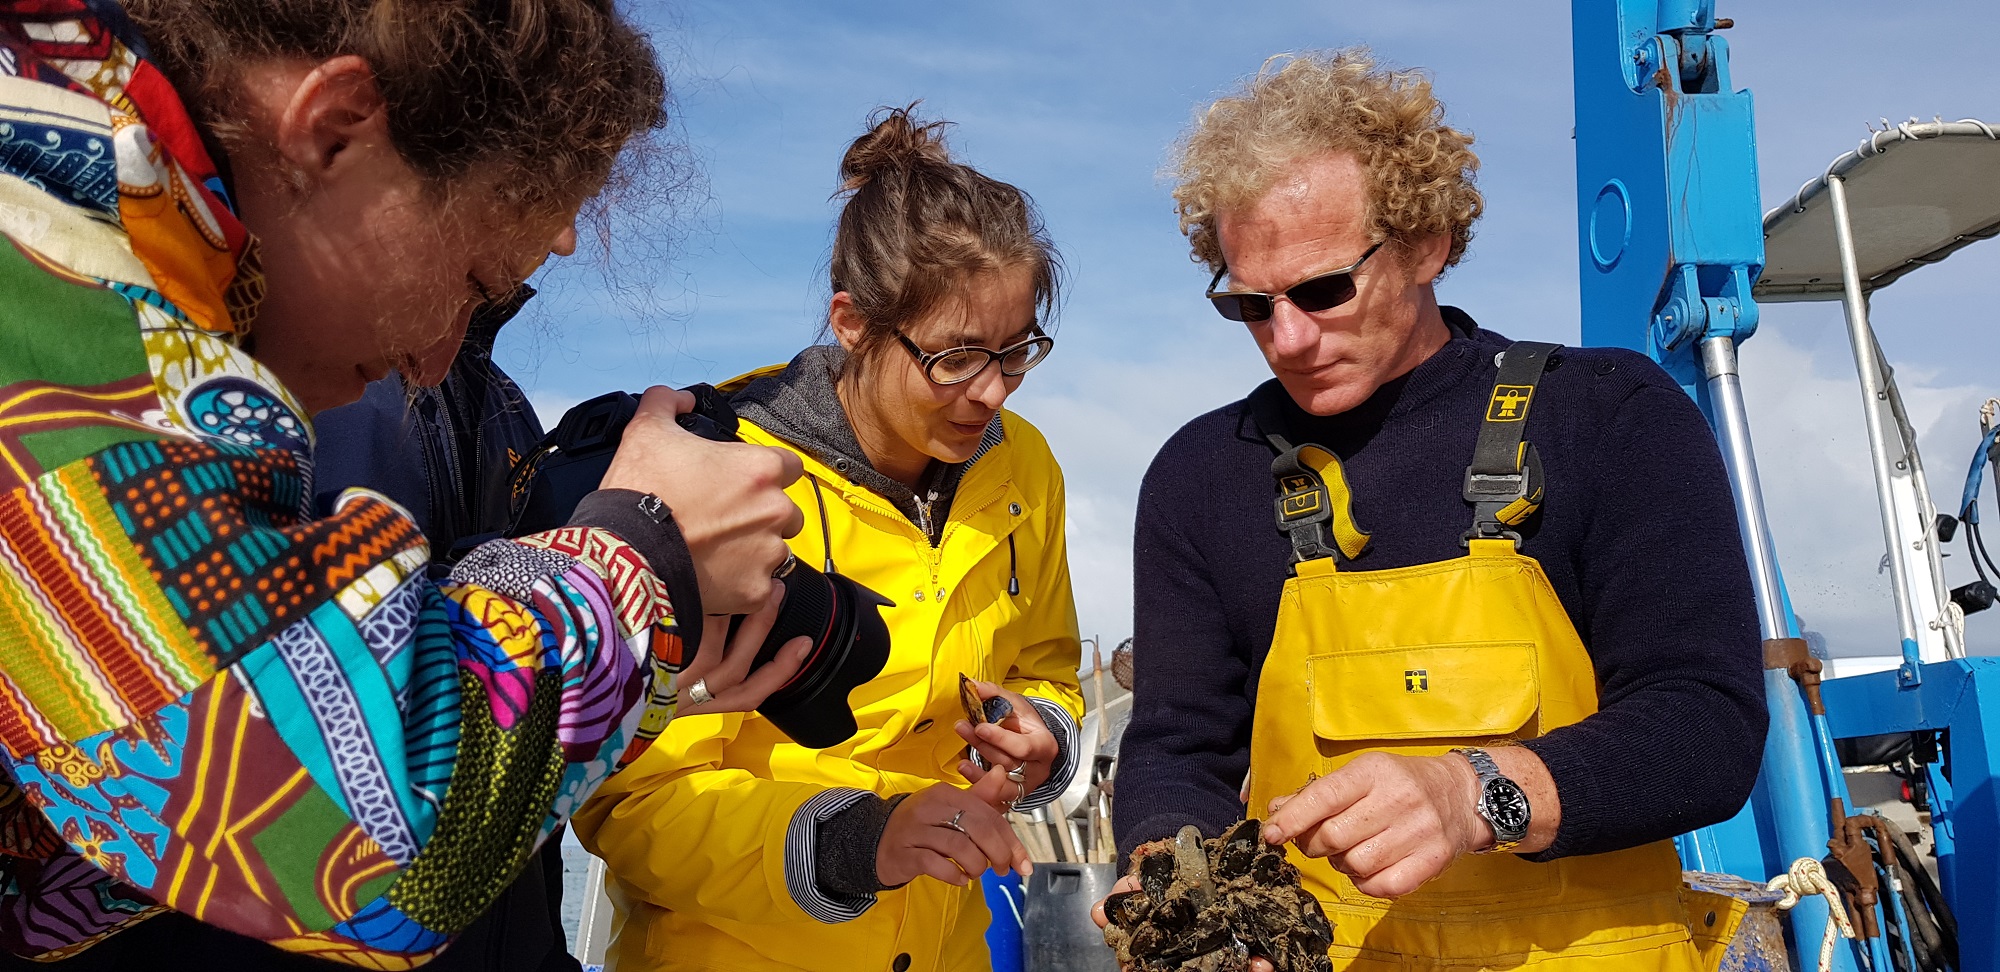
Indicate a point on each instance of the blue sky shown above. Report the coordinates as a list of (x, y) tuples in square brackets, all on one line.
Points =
[(1077, 103)]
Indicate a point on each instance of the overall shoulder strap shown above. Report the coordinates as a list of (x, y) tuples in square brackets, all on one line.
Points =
[(1504, 483), (1313, 495)]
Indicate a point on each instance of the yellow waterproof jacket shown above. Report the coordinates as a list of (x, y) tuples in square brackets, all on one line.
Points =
[(695, 831)]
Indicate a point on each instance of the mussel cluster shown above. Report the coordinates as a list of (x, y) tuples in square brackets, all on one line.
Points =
[(1209, 906)]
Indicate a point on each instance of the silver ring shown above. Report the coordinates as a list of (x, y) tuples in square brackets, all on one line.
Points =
[(791, 560), (1018, 774), (698, 692), (953, 822)]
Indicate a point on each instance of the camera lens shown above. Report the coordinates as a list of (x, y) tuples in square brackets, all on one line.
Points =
[(850, 646), (843, 618)]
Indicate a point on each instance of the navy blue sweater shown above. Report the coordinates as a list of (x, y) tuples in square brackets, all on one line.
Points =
[(1637, 534)]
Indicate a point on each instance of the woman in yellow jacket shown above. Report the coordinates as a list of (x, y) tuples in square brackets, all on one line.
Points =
[(732, 848)]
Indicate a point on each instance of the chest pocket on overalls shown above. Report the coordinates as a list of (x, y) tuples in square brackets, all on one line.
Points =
[(1441, 694)]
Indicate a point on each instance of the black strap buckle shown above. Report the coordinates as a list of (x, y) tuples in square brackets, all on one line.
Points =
[(1490, 497), (1303, 508), (1487, 487)]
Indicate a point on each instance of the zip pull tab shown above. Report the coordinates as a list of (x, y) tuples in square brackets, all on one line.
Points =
[(925, 505)]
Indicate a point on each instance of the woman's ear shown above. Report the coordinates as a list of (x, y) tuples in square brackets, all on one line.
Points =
[(845, 320), (334, 118)]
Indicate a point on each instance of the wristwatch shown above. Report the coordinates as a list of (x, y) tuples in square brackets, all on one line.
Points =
[(1501, 802)]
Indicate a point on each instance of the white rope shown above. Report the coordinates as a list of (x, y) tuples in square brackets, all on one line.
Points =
[(1807, 876)]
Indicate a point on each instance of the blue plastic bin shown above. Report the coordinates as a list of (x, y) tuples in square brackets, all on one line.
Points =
[(1003, 936)]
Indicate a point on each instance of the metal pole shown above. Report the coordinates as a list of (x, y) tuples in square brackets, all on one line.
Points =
[(1797, 741), (593, 933), (1868, 366), (1732, 428)]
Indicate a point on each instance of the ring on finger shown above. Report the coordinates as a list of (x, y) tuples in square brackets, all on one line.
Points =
[(698, 693), (1018, 774), (791, 560), (953, 823)]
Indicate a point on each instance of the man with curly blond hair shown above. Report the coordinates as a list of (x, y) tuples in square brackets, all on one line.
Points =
[(1430, 593)]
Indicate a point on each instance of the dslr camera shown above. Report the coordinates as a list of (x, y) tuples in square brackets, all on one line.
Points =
[(850, 642)]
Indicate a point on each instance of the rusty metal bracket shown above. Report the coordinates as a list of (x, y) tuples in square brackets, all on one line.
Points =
[(1792, 656), (1850, 864)]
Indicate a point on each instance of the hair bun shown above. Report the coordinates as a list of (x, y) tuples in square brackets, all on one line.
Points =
[(896, 142)]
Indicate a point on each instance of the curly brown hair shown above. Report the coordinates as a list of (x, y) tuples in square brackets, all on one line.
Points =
[(1420, 170), (539, 94)]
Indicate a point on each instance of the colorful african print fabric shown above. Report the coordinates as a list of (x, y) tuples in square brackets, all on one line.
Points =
[(209, 700)]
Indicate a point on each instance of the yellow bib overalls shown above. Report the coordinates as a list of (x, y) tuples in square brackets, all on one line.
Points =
[(1469, 652)]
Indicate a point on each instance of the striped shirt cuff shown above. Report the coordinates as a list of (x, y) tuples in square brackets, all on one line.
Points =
[(800, 869), (1068, 738)]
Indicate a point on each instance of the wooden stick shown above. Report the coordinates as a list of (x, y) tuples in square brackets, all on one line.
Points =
[(1033, 837), (1104, 836), (1061, 824)]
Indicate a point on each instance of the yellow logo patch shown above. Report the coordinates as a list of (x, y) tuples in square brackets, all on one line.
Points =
[(1510, 403), (1417, 680), (1301, 497)]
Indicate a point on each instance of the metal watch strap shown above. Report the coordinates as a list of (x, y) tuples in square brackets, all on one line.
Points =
[(1488, 771), (1482, 763)]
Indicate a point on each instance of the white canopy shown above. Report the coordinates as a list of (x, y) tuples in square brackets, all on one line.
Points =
[(1916, 192)]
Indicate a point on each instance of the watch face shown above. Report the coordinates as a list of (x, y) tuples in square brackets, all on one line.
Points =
[(1506, 809)]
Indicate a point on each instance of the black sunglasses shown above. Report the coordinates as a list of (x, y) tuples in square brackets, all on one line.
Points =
[(1312, 295), (954, 365)]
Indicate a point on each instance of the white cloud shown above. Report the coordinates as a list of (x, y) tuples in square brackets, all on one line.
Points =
[(1812, 454), (1105, 419)]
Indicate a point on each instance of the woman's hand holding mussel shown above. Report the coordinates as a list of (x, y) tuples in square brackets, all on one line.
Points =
[(949, 833), (727, 499), (723, 665), (1020, 744)]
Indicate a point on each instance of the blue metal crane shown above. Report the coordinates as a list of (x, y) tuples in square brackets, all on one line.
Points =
[(1672, 249)]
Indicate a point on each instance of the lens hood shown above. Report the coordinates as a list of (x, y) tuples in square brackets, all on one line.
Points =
[(850, 646)]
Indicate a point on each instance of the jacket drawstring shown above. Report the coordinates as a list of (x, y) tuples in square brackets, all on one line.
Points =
[(1013, 576), (825, 532)]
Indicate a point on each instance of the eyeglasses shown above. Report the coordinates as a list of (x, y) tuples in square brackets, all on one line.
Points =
[(954, 365), (1312, 295)]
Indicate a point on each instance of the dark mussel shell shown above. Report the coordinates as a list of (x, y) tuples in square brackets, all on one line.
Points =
[(1238, 849), (1156, 875), (1127, 909)]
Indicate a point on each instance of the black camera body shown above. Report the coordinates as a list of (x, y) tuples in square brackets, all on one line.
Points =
[(843, 618)]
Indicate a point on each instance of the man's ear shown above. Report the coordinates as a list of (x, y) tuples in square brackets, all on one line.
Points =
[(1427, 256), (334, 112), (845, 320)]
